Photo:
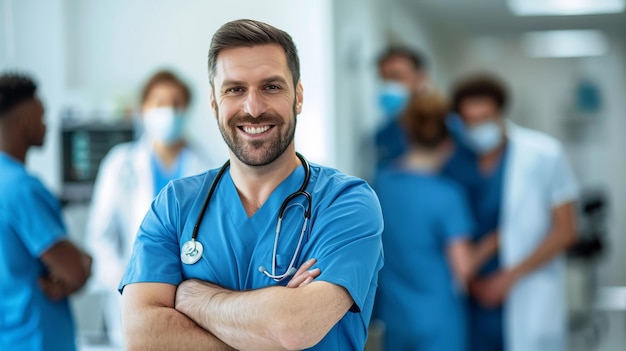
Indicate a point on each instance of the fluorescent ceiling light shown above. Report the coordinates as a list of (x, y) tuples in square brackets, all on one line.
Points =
[(565, 43), (565, 7)]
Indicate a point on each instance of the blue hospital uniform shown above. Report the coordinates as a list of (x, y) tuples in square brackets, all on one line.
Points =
[(418, 298), (485, 196), (161, 175), (344, 235), (30, 223), (391, 143)]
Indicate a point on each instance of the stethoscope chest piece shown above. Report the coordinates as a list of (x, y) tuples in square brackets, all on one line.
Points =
[(192, 252)]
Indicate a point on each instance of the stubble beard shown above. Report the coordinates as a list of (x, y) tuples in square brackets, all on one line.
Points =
[(251, 152)]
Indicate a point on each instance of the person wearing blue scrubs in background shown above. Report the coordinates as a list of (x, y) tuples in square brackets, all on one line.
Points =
[(130, 176), (521, 188), (227, 300), (483, 186), (428, 255), (402, 71), (39, 267)]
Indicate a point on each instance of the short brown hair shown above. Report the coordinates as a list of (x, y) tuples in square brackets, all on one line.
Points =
[(424, 119), (248, 33), (480, 85), (168, 77), (416, 58)]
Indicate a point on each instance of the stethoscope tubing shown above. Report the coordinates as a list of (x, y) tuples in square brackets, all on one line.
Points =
[(307, 215)]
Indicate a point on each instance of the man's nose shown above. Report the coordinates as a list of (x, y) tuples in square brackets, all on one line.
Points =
[(255, 104)]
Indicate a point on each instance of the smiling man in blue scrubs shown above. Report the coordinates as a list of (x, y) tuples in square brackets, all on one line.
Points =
[(39, 267), (225, 300)]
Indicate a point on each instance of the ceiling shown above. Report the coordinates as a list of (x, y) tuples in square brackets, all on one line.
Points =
[(489, 17)]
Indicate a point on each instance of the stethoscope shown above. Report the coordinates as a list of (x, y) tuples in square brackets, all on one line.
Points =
[(192, 249)]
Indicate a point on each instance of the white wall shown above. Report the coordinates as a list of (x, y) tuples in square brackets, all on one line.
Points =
[(358, 34)]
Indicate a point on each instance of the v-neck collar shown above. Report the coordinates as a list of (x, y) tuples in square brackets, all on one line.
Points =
[(270, 207)]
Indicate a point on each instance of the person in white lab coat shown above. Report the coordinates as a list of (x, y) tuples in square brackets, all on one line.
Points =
[(129, 178), (520, 186)]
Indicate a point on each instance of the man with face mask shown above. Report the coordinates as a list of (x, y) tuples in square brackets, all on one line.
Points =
[(129, 178), (520, 187), (402, 73)]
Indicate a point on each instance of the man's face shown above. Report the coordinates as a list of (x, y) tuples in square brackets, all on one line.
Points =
[(478, 110), (255, 102), (29, 115), (400, 69)]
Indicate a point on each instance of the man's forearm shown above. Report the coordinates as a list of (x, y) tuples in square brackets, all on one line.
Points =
[(485, 249), (273, 318), (560, 237), (152, 323), (164, 328)]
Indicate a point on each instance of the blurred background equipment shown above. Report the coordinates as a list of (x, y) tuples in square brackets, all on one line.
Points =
[(84, 145)]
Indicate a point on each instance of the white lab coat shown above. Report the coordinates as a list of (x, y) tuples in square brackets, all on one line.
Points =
[(537, 179), (122, 195)]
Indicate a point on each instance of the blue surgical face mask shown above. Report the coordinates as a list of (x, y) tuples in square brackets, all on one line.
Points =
[(164, 124), (485, 137), (393, 98)]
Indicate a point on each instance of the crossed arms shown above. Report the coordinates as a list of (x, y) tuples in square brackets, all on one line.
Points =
[(198, 315)]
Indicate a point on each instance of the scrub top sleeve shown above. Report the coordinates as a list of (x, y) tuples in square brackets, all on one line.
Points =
[(37, 218), (156, 252), (346, 241), (456, 220), (563, 185)]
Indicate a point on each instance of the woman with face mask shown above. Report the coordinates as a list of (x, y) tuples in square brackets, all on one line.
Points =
[(128, 179), (428, 256)]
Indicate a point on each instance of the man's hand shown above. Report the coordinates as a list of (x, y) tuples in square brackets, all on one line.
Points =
[(491, 291), (304, 276), (53, 287)]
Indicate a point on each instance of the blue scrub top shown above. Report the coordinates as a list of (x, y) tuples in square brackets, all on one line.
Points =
[(418, 298), (161, 175), (391, 143), (30, 223), (485, 196), (344, 235)]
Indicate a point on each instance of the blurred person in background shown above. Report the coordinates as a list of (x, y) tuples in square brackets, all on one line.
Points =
[(402, 71), (130, 176), (520, 186), (429, 257), (39, 266)]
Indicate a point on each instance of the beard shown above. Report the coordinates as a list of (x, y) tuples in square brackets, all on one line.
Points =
[(259, 152)]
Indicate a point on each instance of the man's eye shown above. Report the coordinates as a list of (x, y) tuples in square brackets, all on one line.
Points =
[(234, 90), (272, 87)]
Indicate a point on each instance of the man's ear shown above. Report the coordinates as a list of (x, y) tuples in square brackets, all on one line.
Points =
[(299, 97)]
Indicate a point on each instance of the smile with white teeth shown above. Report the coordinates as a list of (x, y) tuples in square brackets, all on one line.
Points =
[(255, 130)]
